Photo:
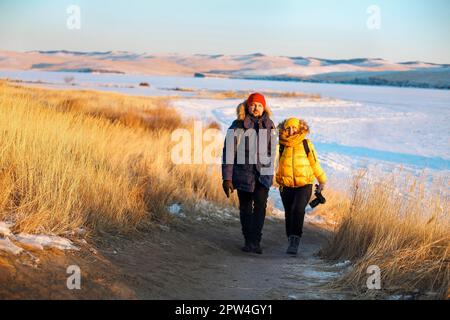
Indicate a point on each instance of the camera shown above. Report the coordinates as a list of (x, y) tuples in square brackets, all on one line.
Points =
[(320, 199)]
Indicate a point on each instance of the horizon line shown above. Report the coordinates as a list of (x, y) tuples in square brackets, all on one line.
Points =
[(223, 54)]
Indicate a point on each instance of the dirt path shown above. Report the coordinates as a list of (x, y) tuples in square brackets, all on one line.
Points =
[(192, 257), (202, 260)]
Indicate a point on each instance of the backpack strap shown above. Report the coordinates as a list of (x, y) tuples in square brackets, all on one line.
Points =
[(306, 146), (281, 149)]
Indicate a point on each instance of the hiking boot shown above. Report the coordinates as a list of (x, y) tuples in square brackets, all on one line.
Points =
[(294, 242), (256, 248), (247, 246)]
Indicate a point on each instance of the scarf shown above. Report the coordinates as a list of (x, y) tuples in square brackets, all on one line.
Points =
[(291, 141), (256, 123)]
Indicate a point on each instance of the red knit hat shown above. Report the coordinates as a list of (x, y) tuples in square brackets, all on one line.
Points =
[(256, 97)]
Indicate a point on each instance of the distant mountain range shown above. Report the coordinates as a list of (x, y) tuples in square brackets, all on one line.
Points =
[(252, 66)]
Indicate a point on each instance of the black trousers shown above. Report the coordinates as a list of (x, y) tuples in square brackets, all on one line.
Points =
[(295, 201), (252, 209)]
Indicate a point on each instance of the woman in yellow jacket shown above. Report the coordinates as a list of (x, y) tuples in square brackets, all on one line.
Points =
[(298, 167)]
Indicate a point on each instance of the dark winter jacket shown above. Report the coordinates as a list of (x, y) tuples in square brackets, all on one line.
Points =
[(244, 174)]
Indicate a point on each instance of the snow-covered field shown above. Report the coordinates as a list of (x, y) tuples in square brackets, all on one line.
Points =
[(352, 126)]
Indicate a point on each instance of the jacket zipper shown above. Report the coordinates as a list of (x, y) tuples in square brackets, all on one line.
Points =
[(293, 168)]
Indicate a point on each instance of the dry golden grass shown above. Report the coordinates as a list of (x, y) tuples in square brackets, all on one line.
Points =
[(337, 203), (84, 158), (133, 111), (406, 233)]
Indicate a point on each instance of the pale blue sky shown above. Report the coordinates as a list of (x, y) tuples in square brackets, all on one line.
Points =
[(410, 29)]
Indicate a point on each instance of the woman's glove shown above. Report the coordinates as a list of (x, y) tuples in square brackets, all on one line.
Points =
[(227, 186)]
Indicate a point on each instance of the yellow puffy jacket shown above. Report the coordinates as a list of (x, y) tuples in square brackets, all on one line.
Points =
[(295, 168)]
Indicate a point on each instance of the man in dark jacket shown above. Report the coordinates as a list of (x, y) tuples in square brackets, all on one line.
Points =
[(248, 164)]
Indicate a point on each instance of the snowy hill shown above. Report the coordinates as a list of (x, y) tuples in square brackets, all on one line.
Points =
[(372, 71)]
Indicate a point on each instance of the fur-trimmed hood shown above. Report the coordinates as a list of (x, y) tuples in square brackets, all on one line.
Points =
[(303, 126), (295, 139), (242, 111)]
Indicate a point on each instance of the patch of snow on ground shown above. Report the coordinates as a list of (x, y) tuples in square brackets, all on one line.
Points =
[(176, 210), (212, 210), (314, 219), (41, 241), (5, 228), (204, 209), (277, 213), (325, 275), (37, 241), (8, 246), (342, 264)]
